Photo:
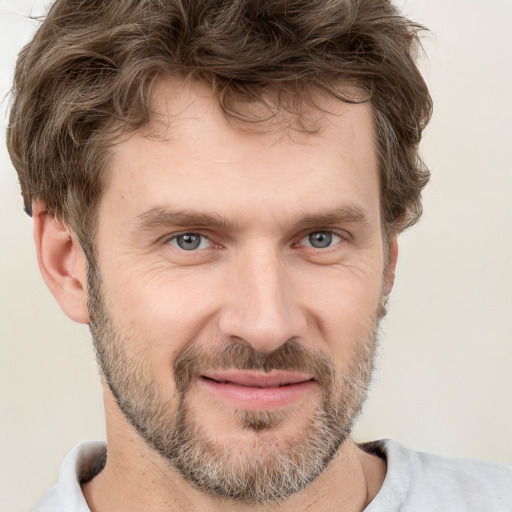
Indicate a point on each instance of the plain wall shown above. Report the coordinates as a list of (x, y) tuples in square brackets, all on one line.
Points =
[(444, 372)]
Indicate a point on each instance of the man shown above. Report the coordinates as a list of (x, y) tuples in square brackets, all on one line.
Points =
[(217, 190)]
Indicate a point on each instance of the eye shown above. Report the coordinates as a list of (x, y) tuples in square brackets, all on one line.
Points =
[(321, 239), (190, 241)]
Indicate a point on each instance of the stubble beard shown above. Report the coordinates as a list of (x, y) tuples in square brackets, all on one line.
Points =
[(272, 467)]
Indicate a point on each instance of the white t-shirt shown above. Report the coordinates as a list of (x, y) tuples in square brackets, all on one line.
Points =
[(415, 482)]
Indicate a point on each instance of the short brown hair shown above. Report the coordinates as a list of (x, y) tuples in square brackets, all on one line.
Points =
[(87, 75)]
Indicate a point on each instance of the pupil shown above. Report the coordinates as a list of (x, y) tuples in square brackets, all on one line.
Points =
[(189, 241), (320, 239)]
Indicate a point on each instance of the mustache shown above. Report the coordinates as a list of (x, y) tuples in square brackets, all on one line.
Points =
[(290, 356)]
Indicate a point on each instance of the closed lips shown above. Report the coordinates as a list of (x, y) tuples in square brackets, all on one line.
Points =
[(258, 379)]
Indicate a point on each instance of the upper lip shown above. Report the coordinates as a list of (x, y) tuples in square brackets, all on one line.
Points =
[(258, 379)]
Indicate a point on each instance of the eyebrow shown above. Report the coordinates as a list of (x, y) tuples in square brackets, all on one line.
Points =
[(343, 215), (159, 217)]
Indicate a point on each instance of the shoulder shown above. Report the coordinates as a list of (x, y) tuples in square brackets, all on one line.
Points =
[(439, 483), (49, 502), (75, 468)]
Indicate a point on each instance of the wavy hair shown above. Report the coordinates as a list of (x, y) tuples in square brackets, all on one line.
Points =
[(87, 75)]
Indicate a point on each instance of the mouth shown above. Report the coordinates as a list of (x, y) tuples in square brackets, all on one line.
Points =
[(257, 390)]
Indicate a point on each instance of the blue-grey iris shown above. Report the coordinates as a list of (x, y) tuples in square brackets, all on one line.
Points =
[(320, 239), (188, 241)]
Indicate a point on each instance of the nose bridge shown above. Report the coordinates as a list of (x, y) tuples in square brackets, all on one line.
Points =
[(260, 309)]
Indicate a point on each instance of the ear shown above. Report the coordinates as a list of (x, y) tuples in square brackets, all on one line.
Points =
[(62, 263), (389, 272)]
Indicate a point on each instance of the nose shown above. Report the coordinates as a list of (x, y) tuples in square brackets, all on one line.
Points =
[(261, 307)]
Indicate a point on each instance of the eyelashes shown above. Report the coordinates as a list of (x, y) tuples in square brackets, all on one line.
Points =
[(194, 241), (321, 239), (190, 241)]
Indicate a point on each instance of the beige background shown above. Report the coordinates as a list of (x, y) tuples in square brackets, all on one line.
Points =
[(445, 369)]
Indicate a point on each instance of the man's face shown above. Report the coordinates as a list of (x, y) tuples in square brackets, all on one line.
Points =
[(238, 290)]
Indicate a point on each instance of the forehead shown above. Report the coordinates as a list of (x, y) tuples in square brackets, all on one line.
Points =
[(193, 152), (272, 114), (273, 108)]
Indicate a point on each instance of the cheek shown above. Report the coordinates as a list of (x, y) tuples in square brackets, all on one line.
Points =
[(161, 311), (345, 306)]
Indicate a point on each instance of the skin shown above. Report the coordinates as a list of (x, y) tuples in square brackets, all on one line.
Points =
[(256, 280)]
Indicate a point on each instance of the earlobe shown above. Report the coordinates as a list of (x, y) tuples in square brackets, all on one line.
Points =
[(392, 258), (62, 263)]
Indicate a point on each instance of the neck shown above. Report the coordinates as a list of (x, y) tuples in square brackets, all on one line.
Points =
[(142, 481), (136, 478)]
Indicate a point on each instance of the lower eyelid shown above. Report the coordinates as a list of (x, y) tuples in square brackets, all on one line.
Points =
[(172, 240)]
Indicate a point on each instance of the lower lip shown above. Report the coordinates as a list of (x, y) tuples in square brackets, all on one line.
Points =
[(258, 398)]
